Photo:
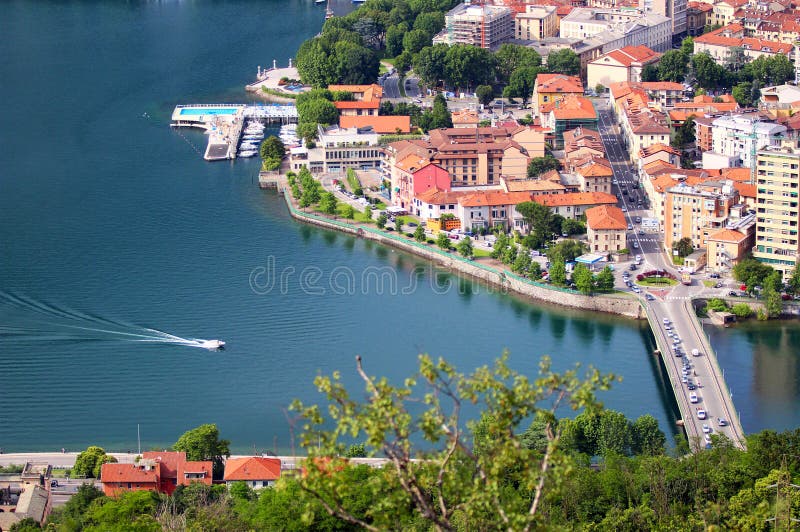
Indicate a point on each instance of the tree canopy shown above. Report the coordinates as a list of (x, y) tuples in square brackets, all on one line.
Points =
[(89, 462), (564, 61), (204, 443)]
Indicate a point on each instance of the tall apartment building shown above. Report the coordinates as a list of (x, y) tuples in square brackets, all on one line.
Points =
[(674, 9), (486, 26), (741, 136), (695, 211), (536, 23), (777, 212), (622, 27)]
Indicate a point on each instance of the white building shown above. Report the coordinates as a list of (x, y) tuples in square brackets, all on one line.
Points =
[(743, 135), (626, 27), (338, 149), (486, 26)]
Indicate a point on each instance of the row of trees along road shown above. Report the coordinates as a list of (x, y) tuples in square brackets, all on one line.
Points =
[(494, 449), (743, 78)]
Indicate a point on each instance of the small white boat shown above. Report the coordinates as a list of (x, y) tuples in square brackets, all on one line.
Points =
[(247, 153), (212, 344), (253, 136)]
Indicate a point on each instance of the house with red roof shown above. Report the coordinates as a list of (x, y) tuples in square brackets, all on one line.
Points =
[(549, 87), (384, 125), (573, 204), (606, 228), (492, 209), (567, 112), (366, 99), (414, 175), (718, 43), (659, 152), (622, 64), (160, 471), (256, 472)]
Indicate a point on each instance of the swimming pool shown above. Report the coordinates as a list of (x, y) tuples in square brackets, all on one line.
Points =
[(196, 111)]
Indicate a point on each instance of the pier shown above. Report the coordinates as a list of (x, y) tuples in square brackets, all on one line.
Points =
[(712, 393), (223, 123)]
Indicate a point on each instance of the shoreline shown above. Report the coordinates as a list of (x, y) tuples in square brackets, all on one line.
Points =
[(504, 281)]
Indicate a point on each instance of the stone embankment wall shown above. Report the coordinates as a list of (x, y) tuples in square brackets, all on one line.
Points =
[(614, 304)]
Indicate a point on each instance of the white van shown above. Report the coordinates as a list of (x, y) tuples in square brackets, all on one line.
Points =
[(695, 352)]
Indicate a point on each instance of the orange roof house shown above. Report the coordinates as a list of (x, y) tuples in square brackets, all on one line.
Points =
[(255, 471), (574, 204), (547, 87), (118, 478), (622, 64), (606, 217), (366, 99), (160, 471), (718, 42), (385, 125)]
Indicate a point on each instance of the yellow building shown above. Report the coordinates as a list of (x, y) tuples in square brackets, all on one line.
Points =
[(606, 228), (536, 23), (550, 87), (777, 211)]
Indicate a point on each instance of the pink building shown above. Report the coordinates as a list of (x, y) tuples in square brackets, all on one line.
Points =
[(415, 175)]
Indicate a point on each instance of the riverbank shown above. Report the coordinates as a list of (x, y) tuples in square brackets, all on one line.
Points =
[(504, 281)]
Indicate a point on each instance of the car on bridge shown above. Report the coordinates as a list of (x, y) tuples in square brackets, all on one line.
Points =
[(701, 414), (693, 397)]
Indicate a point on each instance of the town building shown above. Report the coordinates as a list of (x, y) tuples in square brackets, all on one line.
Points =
[(695, 211), (777, 211), (433, 203), (536, 23), (486, 26), (567, 112), (718, 45), (659, 152), (160, 471), (723, 12), (492, 209), (414, 175), (594, 174), (623, 64), (641, 123), (534, 186), (366, 99), (338, 149), (727, 247), (634, 27), (573, 205), (676, 10), (697, 17), (606, 228), (549, 87), (256, 472), (738, 137), (384, 125), (466, 118)]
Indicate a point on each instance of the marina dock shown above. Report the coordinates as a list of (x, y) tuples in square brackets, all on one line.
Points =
[(223, 123)]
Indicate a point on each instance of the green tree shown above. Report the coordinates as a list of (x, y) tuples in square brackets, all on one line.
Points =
[(649, 73), (540, 165), (348, 211), (443, 241), (415, 40), (26, 525), (131, 510), (566, 250), (357, 450), (429, 64), (317, 111), (466, 65), (368, 213), (558, 272), (429, 22), (717, 305), (433, 477), (272, 148), (419, 234), (511, 57), (772, 298), (573, 227), (535, 271), (742, 94), (605, 279), (328, 203), (646, 437), (708, 72), (614, 434), (522, 263), (381, 220), (89, 462), (672, 66), (583, 279), (464, 247), (742, 310), (204, 443), (537, 217), (484, 93), (684, 247), (394, 39), (521, 83), (564, 61), (751, 272), (687, 46), (794, 280)]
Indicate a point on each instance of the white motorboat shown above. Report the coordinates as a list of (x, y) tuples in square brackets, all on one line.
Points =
[(252, 136), (212, 344), (247, 153)]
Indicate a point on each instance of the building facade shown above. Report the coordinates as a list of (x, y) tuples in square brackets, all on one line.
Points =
[(606, 229), (486, 26), (777, 211), (536, 23)]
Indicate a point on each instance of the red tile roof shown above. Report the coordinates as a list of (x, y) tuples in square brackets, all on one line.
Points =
[(252, 468), (381, 124), (606, 217), (726, 36), (570, 106), (128, 473), (206, 468), (433, 196), (483, 199), (727, 235), (575, 198), (558, 83), (746, 190), (170, 460), (658, 147), (629, 55)]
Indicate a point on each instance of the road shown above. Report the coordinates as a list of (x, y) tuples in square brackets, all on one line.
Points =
[(412, 87), (673, 303), (391, 86)]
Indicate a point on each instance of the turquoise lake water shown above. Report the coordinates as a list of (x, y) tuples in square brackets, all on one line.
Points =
[(120, 246)]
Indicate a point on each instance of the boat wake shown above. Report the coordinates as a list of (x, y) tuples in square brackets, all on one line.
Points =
[(69, 325)]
